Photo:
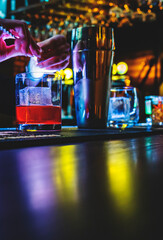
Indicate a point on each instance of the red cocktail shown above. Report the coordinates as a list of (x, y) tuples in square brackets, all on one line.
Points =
[(38, 114), (38, 101)]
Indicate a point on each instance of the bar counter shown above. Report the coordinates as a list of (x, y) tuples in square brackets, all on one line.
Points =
[(81, 184)]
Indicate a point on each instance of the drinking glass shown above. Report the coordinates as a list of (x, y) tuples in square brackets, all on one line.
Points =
[(154, 110), (38, 101), (123, 107), (134, 106)]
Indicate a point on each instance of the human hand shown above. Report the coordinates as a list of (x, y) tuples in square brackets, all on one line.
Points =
[(54, 53), (24, 45), (78, 59)]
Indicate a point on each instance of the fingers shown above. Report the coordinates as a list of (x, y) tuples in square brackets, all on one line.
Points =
[(53, 42), (51, 62), (28, 45), (24, 42), (59, 66), (54, 52), (34, 48), (10, 52), (3, 51)]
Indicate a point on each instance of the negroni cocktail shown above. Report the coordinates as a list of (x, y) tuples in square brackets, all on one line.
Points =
[(38, 114), (38, 101)]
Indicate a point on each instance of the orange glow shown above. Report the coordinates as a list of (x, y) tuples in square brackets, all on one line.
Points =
[(139, 68), (126, 7), (50, 22), (127, 81), (95, 10), (101, 11), (51, 11), (50, 17), (61, 23), (81, 16), (100, 2), (36, 16), (150, 6), (138, 10), (111, 4), (29, 15)]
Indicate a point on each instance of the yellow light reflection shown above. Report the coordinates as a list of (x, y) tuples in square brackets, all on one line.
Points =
[(114, 69), (68, 73), (117, 77), (65, 174), (69, 82), (121, 180)]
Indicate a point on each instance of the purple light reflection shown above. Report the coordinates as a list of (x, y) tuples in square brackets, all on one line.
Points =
[(36, 177)]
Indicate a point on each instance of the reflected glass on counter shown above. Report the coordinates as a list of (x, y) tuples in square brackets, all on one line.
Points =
[(154, 110)]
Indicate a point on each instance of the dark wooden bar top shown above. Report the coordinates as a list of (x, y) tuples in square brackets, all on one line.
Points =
[(91, 185), (12, 138)]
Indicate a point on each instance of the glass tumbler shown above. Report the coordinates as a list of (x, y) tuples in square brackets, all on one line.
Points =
[(154, 110), (134, 106), (123, 107), (38, 101)]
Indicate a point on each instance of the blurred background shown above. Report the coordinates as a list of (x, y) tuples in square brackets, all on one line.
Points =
[(138, 29)]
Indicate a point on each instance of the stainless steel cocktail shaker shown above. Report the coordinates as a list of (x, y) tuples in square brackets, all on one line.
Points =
[(92, 58)]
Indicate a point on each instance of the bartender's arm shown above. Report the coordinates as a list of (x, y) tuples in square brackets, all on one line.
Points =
[(52, 54)]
